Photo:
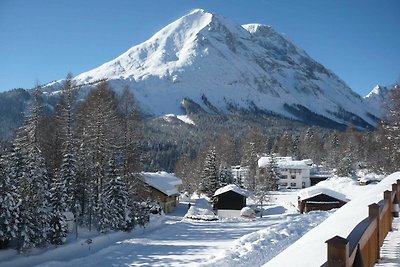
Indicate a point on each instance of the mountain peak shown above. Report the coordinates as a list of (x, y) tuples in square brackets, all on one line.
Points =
[(198, 11), (223, 66)]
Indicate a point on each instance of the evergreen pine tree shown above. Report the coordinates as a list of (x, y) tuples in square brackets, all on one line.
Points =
[(225, 175), (9, 205), (33, 184), (58, 227), (209, 176), (68, 171), (116, 196)]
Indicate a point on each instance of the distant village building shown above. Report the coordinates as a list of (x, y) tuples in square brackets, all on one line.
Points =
[(240, 174), (164, 188), (318, 175), (293, 173), (320, 198), (229, 200)]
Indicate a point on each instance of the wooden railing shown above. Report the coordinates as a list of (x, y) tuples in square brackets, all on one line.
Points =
[(362, 245)]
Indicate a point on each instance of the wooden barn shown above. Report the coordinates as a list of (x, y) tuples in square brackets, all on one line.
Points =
[(320, 198), (229, 200), (163, 187)]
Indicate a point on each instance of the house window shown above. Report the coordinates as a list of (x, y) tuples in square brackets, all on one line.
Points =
[(283, 184), (293, 177), (303, 184), (292, 184)]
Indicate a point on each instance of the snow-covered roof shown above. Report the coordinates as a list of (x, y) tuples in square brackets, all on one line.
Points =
[(162, 181), (286, 163), (371, 177), (313, 191), (234, 188)]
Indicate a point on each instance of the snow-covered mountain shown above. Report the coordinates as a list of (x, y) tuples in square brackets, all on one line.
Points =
[(225, 67), (379, 96)]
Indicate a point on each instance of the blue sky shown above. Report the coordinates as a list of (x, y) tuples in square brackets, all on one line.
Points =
[(43, 40)]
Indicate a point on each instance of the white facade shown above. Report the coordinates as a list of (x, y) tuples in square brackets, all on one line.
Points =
[(240, 174), (294, 173), (294, 178)]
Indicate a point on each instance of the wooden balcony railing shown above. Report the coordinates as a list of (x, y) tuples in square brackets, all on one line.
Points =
[(362, 245)]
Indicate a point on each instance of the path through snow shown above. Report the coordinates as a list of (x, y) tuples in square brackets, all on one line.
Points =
[(180, 242), (390, 251)]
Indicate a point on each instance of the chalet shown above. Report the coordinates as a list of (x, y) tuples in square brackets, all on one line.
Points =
[(320, 198), (229, 200), (293, 173), (164, 188)]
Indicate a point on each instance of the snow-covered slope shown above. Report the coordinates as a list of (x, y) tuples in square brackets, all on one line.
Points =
[(225, 67)]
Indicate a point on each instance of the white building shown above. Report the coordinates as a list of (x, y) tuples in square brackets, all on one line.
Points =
[(294, 173), (240, 174)]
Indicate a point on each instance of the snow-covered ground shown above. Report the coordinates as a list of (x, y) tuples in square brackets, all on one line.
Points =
[(311, 250), (173, 241), (178, 242)]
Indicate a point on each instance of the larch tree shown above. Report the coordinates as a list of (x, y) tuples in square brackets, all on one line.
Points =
[(130, 152), (267, 181), (254, 144), (99, 131)]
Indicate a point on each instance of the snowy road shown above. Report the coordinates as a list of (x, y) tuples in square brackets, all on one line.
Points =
[(186, 243), (178, 243)]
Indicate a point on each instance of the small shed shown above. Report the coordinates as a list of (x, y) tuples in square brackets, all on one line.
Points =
[(320, 198), (229, 200)]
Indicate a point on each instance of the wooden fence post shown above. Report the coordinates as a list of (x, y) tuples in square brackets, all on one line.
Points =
[(398, 190), (395, 205), (387, 196), (373, 213), (338, 252)]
